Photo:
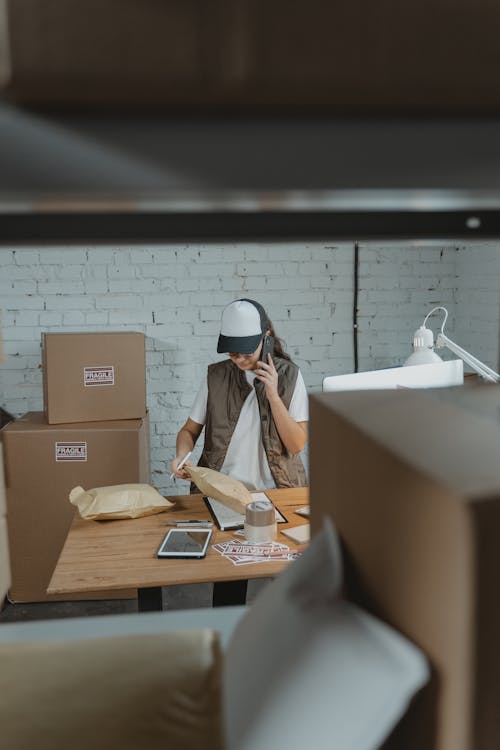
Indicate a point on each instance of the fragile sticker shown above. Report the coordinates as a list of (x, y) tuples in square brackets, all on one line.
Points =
[(71, 451), (98, 376)]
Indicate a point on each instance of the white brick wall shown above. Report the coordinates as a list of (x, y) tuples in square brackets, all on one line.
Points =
[(175, 294)]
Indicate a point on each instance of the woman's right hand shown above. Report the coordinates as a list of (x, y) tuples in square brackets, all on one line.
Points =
[(182, 473)]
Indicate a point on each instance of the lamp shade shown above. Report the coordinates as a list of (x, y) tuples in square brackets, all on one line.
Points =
[(423, 357), (423, 348)]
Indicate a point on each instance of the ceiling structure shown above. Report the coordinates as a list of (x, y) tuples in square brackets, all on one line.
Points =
[(244, 118)]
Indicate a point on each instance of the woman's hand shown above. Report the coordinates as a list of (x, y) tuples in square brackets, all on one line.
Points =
[(182, 473), (266, 372), (292, 433), (186, 440)]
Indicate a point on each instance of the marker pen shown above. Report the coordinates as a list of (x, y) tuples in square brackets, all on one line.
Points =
[(172, 475)]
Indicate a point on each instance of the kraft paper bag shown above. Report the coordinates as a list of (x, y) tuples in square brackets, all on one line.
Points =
[(118, 501), (229, 491)]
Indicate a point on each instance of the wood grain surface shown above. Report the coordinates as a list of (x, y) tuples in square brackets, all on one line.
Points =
[(122, 554)]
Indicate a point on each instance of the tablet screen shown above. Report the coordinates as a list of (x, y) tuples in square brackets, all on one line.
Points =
[(185, 542)]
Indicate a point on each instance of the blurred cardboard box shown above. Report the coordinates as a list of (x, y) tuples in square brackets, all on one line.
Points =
[(4, 561), (411, 480), (93, 376), (4, 541), (356, 57), (3, 500), (118, 51), (42, 464)]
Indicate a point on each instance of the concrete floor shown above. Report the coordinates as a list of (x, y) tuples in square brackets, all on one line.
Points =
[(174, 597)]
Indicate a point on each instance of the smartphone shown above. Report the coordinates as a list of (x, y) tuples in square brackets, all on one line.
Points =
[(185, 543), (267, 348)]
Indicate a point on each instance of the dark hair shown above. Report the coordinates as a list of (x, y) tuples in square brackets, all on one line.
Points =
[(267, 325)]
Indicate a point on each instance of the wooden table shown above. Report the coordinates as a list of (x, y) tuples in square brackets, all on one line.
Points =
[(105, 555)]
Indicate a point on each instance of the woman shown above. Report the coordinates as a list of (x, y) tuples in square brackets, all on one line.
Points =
[(255, 413)]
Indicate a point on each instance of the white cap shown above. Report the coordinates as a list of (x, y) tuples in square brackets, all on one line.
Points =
[(241, 328)]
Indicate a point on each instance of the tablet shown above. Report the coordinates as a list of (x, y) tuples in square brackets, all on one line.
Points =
[(185, 543)]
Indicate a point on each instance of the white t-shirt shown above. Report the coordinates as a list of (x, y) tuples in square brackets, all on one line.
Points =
[(246, 458)]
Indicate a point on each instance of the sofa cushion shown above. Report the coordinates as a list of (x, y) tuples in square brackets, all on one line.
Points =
[(151, 691)]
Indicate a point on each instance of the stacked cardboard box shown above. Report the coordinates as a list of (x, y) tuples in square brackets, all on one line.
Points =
[(91, 377), (94, 432), (4, 542)]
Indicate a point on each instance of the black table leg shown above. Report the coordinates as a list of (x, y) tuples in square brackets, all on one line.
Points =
[(228, 593), (149, 599)]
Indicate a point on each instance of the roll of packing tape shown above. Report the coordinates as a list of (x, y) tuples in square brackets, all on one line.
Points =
[(260, 522)]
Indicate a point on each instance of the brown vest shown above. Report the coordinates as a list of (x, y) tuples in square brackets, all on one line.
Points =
[(227, 391)]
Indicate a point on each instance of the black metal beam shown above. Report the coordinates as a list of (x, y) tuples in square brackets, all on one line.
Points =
[(234, 225)]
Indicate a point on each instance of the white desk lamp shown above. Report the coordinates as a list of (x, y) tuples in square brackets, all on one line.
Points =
[(423, 349)]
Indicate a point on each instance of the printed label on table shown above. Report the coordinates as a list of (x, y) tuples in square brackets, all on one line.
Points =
[(71, 451), (98, 376)]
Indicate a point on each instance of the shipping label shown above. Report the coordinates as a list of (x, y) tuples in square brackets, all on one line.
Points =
[(71, 451), (98, 376)]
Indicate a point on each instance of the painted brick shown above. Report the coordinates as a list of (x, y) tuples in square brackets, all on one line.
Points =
[(6, 258), (100, 255), (26, 302), (26, 257), (13, 287), (95, 271), (26, 318), (73, 318), (222, 270), (70, 302), (96, 318), (19, 333), (96, 287), (124, 271), (63, 256), (61, 287), (165, 331), (50, 319), (132, 317), (118, 302), (141, 256), (70, 272)]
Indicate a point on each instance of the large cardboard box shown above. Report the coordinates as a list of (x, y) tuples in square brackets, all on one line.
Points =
[(411, 480), (4, 561), (42, 464), (3, 500), (93, 376), (4, 541)]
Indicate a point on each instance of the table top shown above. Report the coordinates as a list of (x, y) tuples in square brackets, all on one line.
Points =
[(105, 555)]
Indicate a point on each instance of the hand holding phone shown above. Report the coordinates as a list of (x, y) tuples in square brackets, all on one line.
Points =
[(267, 348)]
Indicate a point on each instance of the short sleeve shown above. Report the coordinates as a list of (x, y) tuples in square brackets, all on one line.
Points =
[(299, 405), (199, 409)]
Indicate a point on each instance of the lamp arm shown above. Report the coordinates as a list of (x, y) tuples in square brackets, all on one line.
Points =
[(486, 372)]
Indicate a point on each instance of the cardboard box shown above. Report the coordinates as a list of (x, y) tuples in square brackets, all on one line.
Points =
[(411, 480), (42, 464), (4, 561), (239, 56), (3, 499), (93, 376), (4, 540)]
